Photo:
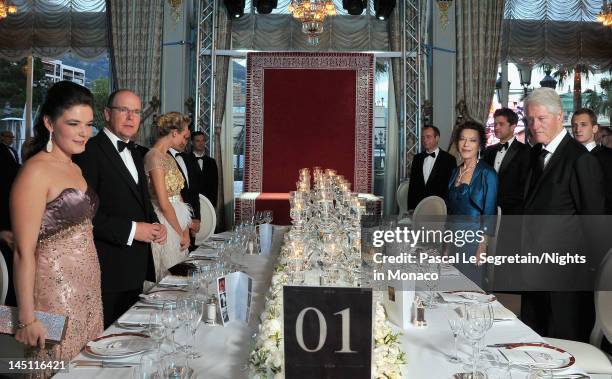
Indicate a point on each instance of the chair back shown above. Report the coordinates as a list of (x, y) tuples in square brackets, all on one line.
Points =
[(208, 220), (429, 214), (603, 298), (402, 197), (430, 206), (4, 279)]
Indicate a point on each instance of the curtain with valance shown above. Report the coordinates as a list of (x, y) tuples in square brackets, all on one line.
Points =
[(53, 28), (561, 32)]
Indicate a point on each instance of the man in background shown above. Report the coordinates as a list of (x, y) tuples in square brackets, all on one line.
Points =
[(207, 168), (431, 169), (585, 127), (510, 159)]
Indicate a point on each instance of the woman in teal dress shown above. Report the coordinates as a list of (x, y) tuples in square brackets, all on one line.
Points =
[(472, 197)]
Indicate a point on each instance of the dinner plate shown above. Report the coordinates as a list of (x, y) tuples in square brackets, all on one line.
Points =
[(119, 345), (162, 296), (539, 355)]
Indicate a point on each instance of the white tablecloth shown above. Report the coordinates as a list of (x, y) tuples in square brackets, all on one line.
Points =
[(225, 350)]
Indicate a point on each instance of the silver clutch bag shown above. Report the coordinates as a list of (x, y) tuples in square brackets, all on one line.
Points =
[(55, 324)]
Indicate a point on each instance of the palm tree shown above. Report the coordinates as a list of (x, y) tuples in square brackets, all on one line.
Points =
[(606, 104), (562, 73), (593, 100)]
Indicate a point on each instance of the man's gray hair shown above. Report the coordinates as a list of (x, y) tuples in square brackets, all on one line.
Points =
[(547, 97)]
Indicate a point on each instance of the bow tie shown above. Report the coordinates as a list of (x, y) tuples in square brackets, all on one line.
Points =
[(433, 155), (122, 145), (503, 146), (199, 159)]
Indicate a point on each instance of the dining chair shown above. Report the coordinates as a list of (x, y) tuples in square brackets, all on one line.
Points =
[(4, 279), (588, 356), (402, 197), (208, 220)]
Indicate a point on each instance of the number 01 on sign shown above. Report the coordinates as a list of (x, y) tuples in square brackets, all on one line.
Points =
[(327, 332)]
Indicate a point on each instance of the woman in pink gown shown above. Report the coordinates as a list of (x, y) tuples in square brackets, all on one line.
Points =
[(56, 265)]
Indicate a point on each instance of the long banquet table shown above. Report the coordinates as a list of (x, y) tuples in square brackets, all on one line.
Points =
[(225, 350)]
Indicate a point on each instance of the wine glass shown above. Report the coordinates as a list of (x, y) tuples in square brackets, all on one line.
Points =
[(156, 329), (454, 322), (474, 326), (170, 319)]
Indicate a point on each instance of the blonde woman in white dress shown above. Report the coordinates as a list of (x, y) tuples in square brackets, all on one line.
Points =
[(165, 185)]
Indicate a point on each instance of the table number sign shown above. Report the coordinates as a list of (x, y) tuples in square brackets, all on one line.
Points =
[(327, 332)]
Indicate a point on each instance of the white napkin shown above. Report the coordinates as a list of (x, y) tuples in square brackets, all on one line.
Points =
[(205, 252), (463, 297), (172, 280), (136, 317), (221, 236)]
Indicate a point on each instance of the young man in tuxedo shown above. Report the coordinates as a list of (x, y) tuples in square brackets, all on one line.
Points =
[(125, 222), (564, 182), (190, 191), (584, 127), (510, 159), (431, 169), (207, 168)]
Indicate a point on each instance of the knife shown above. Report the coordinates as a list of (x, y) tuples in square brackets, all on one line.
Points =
[(104, 364)]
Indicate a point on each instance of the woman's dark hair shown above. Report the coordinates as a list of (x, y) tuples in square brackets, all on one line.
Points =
[(470, 124), (60, 97)]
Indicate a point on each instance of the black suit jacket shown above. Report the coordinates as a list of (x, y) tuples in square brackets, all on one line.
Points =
[(512, 176), (123, 267), (190, 193), (604, 156), (208, 178), (8, 173), (437, 183), (571, 185)]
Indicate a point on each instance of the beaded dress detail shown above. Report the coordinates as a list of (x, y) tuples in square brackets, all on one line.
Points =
[(170, 253), (68, 273)]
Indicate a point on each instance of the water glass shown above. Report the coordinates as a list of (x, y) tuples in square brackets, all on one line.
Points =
[(149, 367), (454, 322), (474, 326), (174, 366)]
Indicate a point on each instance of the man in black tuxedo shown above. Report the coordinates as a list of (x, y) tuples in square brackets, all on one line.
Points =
[(207, 168), (125, 222), (431, 169), (190, 192), (564, 181), (584, 127), (10, 166), (510, 159)]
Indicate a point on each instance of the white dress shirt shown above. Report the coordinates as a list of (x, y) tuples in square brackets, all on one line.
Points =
[(591, 145), (200, 161), (428, 164), (126, 157), (499, 157), (181, 163), (552, 146)]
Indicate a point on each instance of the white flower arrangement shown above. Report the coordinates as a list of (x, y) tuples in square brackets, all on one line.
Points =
[(267, 358)]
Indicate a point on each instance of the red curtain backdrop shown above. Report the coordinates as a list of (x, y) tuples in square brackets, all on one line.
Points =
[(309, 120), (306, 110)]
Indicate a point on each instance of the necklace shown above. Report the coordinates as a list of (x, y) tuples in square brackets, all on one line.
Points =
[(462, 171)]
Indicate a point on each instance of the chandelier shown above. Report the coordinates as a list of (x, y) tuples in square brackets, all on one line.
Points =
[(311, 14), (605, 16), (6, 8)]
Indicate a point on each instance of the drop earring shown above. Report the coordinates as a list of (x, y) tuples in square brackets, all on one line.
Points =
[(50, 143)]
